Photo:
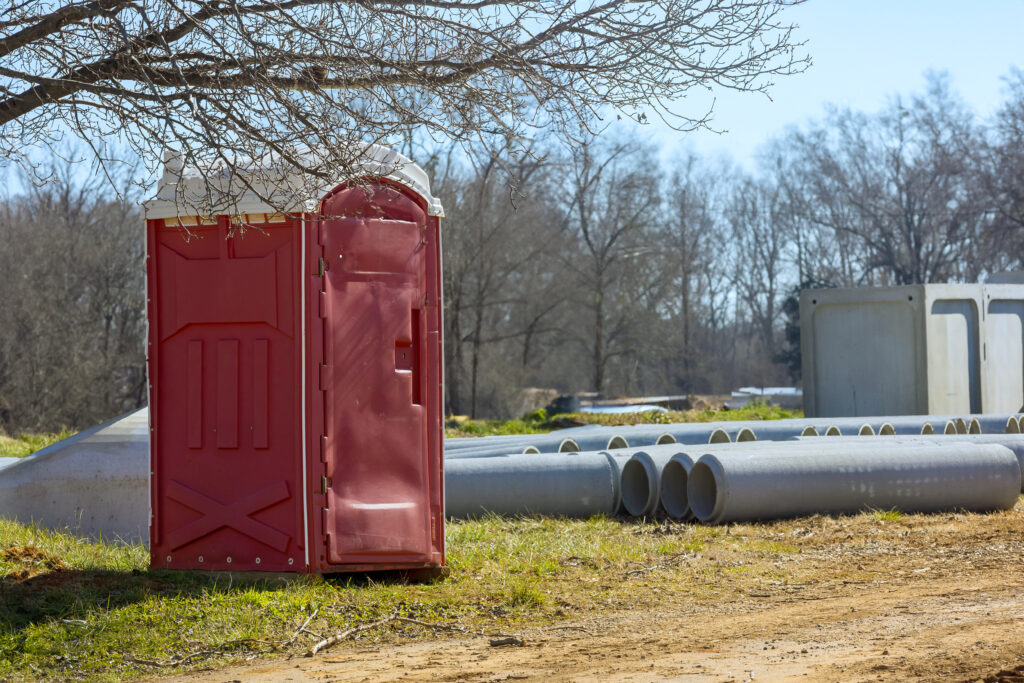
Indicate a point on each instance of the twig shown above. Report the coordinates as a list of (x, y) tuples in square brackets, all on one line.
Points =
[(328, 642), (286, 643), (566, 628)]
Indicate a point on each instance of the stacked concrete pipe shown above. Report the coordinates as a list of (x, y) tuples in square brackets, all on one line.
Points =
[(840, 478), (562, 485), (1014, 442)]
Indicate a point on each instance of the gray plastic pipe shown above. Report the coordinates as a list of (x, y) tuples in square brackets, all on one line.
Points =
[(847, 478), (563, 485)]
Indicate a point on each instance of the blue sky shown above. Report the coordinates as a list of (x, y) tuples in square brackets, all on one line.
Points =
[(865, 51)]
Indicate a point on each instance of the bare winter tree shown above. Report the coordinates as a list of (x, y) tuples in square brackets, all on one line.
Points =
[(72, 319), (1002, 175), (612, 190), (217, 81), (900, 185)]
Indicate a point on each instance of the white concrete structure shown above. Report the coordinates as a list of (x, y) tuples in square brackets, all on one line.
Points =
[(913, 350), (95, 483)]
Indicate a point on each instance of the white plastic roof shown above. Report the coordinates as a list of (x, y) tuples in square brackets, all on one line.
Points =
[(215, 188)]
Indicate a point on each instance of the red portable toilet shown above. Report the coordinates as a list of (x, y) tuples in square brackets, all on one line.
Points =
[(295, 371)]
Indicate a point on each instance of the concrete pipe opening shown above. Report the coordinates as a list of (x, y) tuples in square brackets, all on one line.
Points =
[(531, 450), (961, 425), (950, 428), (702, 491), (674, 478), (1020, 424), (887, 430), (665, 439), (809, 430), (719, 435), (617, 441), (974, 427), (866, 430), (833, 431), (637, 488), (1012, 426), (568, 446), (746, 434), (927, 428)]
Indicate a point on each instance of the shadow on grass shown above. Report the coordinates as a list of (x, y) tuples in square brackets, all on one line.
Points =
[(69, 593)]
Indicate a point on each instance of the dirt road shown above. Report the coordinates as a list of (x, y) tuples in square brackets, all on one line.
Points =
[(925, 598)]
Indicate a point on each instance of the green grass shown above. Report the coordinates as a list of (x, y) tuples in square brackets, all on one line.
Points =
[(27, 444), (74, 609), (539, 421), (892, 515)]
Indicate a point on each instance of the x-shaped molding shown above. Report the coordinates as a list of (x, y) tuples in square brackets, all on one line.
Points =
[(236, 515)]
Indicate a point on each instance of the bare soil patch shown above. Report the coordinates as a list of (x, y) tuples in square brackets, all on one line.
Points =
[(864, 598)]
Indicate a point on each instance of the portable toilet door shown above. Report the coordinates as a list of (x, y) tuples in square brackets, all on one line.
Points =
[(295, 378)]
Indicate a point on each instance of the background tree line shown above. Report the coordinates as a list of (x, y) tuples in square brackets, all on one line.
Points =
[(585, 263)]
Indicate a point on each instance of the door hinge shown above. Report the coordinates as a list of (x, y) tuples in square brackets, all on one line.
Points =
[(324, 485), (322, 267), (323, 304), (323, 448), (324, 377)]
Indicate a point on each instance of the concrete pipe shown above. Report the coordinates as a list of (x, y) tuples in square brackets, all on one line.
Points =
[(719, 436), (949, 427), (809, 430), (886, 429), (95, 483), (490, 451), (665, 439), (618, 460), (617, 441), (833, 430), (973, 426), (866, 430), (640, 486), (564, 485), (745, 434), (568, 446), (673, 487), (1015, 442), (997, 424), (849, 478)]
